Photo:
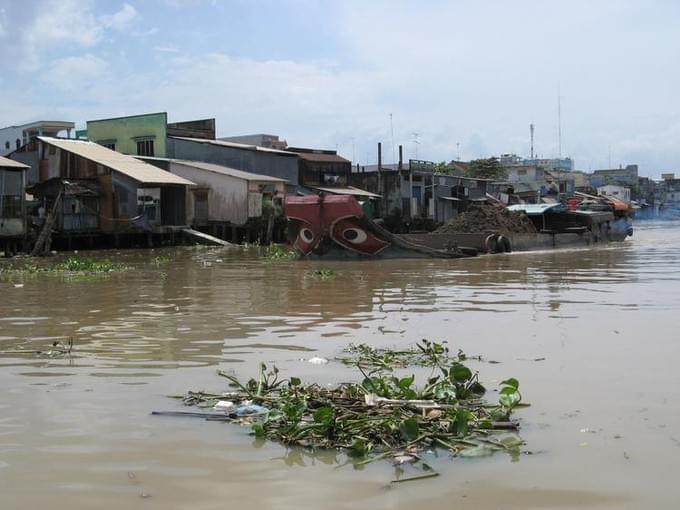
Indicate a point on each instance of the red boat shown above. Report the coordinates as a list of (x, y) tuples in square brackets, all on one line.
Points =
[(321, 223)]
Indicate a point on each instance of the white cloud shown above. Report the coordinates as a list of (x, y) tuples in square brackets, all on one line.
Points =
[(73, 74), (3, 22), (60, 21), (121, 19), (453, 72), (56, 23), (165, 49), (181, 4)]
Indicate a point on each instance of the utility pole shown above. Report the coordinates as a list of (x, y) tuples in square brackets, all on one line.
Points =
[(559, 123), (457, 151), (394, 154), (531, 130)]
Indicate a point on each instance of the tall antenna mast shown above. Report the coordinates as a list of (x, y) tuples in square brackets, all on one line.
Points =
[(531, 130), (394, 154), (559, 123)]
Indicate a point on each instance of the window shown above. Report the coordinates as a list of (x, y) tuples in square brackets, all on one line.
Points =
[(18, 143), (7, 144), (145, 148), (112, 146)]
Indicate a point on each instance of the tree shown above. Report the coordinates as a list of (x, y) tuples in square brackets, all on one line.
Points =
[(442, 168), (488, 168)]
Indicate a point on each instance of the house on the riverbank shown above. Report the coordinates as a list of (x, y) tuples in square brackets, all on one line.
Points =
[(12, 205), (145, 134), (13, 137), (412, 195), (249, 158), (92, 191), (226, 202), (321, 168)]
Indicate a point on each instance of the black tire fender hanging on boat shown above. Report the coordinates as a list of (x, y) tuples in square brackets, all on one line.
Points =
[(503, 244), (491, 243)]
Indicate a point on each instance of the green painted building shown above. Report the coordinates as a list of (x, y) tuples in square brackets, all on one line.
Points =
[(137, 135)]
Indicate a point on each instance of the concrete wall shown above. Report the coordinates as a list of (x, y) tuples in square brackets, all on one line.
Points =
[(9, 136), (263, 163), (227, 195), (124, 132)]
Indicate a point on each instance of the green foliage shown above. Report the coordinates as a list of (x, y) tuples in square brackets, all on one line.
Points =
[(510, 397), (323, 274), (442, 168), (70, 266), (160, 260), (488, 168), (279, 252), (383, 415), (409, 429), (76, 265)]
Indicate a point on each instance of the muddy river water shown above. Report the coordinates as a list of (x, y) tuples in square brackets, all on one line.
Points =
[(592, 334)]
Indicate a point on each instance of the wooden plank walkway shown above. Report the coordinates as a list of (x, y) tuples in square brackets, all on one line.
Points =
[(203, 238)]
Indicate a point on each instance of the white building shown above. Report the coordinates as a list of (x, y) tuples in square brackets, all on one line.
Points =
[(221, 194), (13, 137), (618, 192)]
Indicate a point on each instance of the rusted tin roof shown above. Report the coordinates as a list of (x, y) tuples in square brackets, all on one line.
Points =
[(135, 169)]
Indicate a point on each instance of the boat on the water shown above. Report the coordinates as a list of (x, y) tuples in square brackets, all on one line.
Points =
[(332, 224), (336, 226)]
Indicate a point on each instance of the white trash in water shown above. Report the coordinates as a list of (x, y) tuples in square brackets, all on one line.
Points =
[(317, 361), (224, 405)]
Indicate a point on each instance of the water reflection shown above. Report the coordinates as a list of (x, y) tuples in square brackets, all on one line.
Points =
[(193, 309)]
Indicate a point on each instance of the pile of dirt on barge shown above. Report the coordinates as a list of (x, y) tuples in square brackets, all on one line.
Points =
[(488, 218)]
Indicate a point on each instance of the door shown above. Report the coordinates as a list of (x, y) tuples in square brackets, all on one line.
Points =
[(200, 207)]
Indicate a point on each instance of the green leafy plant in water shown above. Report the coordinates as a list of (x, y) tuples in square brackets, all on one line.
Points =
[(323, 274), (510, 396), (425, 353), (447, 412), (72, 265), (160, 260), (278, 252), (77, 265)]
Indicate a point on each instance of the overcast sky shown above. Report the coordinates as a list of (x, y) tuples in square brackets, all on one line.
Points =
[(328, 74)]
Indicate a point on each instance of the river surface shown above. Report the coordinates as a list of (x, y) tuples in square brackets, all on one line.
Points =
[(593, 335)]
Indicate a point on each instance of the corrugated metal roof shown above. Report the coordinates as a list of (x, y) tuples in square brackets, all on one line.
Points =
[(220, 169), (135, 169), (232, 172), (318, 156), (10, 163), (348, 190), (234, 145), (533, 209)]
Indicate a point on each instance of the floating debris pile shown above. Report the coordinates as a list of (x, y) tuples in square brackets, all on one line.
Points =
[(488, 218), (382, 417)]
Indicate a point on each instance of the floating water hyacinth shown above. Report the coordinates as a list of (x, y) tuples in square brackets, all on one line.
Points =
[(381, 417)]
